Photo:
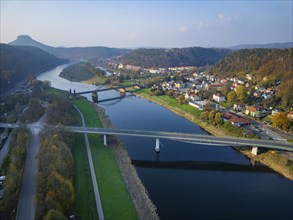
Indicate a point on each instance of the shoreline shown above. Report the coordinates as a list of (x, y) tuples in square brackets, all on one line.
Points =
[(144, 206), (264, 158)]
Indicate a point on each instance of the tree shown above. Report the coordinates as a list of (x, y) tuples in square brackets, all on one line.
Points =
[(218, 118), (54, 215), (212, 116), (204, 116), (231, 97), (241, 93), (182, 99), (225, 89), (280, 120)]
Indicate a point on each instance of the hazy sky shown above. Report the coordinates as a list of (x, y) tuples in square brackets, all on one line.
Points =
[(148, 23)]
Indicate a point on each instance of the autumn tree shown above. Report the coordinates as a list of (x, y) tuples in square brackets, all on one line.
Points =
[(218, 118), (212, 117), (231, 97), (280, 120), (204, 116), (241, 93)]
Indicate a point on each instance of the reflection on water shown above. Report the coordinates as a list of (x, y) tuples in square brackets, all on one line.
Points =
[(201, 165)]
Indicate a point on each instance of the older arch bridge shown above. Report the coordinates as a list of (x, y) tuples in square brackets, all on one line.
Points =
[(95, 96), (182, 137)]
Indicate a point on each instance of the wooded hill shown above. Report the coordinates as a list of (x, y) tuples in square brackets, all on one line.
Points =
[(269, 67), (191, 56), (71, 52), (19, 62)]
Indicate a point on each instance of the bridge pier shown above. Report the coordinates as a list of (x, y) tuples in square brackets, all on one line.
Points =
[(95, 96), (122, 92), (105, 140), (157, 148), (254, 150)]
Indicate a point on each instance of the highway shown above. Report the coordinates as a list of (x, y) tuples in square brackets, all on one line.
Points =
[(184, 137)]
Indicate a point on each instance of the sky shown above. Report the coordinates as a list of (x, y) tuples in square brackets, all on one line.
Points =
[(130, 24)]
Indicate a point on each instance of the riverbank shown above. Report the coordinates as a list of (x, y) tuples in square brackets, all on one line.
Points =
[(115, 199), (272, 159), (143, 204)]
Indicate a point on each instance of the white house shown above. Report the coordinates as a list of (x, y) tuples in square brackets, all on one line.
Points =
[(218, 97), (199, 104)]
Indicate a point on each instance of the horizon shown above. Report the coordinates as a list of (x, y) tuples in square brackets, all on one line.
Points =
[(148, 47), (148, 24)]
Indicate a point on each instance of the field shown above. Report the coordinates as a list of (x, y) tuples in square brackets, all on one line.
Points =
[(115, 199)]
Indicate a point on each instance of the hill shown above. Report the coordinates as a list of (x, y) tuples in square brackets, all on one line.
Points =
[(192, 56), (71, 52), (267, 46), (19, 62), (269, 67)]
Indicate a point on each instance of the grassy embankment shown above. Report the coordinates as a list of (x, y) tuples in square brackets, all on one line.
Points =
[(185, 111), (85, 205), (272, 159), (115, 199)]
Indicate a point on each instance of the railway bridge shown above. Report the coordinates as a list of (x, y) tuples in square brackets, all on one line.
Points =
[(95, 96)]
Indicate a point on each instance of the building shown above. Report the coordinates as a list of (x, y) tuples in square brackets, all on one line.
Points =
[(239, 107), (218, 97), (199, 104), (252, 111), (235, 119)]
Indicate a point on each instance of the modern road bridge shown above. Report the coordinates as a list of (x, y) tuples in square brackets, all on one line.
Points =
[(182, 137)]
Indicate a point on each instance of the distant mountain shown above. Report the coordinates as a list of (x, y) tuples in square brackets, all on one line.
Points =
[(25, 40), (71, 52), (191, 56), (19, 62), (268, 46)]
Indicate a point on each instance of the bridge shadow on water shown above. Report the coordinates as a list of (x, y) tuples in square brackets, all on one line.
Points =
[(202, 165)]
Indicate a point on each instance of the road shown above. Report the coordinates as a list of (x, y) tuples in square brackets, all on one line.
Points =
[(27, 198), (184, 137), (187, 137), (93, 174), (271, 132)]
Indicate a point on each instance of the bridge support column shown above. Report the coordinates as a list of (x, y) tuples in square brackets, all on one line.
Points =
[(254, 150), (95, 97), (105, 140), (157, 148)]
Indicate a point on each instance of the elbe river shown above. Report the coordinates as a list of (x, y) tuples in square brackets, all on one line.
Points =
[(188, 181)]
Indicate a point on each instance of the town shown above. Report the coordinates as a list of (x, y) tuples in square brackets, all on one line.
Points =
[(240, 101)]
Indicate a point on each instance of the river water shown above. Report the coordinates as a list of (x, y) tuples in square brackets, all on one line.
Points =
[(187, 181)]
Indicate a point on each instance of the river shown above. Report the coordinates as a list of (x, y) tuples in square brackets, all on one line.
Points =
[(199, 182)]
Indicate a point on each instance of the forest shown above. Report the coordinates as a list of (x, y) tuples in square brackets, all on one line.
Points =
[(19, 62), (80, 72), (192, 56)]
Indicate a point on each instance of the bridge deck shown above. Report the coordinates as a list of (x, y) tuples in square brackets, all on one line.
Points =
[(185, 137)]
